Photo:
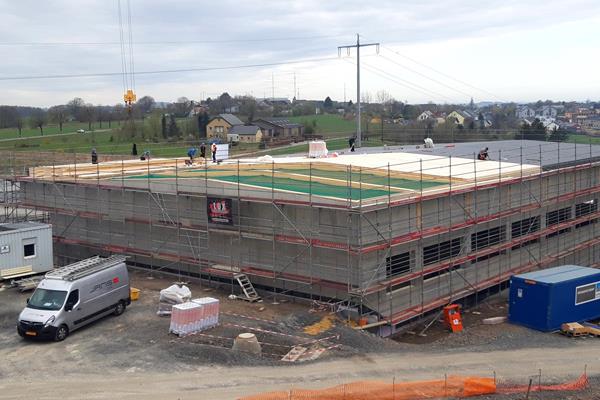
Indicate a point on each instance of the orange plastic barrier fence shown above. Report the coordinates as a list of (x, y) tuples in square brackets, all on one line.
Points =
[(578, 384), (453, 386)]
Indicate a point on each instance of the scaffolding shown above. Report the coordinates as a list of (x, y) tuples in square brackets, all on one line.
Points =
[(391, 241)]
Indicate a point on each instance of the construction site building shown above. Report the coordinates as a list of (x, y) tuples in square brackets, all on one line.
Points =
[(391, 234)]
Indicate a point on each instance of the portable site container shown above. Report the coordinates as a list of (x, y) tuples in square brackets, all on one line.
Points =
[(25, 249), (543, 300)]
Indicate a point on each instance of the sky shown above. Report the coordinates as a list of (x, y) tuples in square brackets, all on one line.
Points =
[(430, 51)]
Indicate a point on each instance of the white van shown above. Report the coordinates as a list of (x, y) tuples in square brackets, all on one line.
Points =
[(73, 296)]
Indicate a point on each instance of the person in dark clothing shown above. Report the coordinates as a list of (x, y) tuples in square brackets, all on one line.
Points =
[(94, 157), (483, 154), (203, 150), (134, 150), (145, 155), (213, 150), (351, 142)]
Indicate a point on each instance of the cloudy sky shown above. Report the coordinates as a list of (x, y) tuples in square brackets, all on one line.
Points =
[(438, 51)]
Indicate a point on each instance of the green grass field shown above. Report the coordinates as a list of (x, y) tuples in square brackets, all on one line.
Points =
[(329, 125), (51, 129)]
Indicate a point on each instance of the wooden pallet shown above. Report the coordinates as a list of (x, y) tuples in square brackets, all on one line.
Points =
[(574, 329)]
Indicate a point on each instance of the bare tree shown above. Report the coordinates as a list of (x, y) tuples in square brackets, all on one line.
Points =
[(19, 124), (58, 115), (75, 107), (182, 106), (38, 120), (145, 105), (89, 114)]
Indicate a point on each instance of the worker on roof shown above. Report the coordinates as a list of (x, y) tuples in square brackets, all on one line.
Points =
[(203, 150), (94, 156), (191, 154), (483, 154), (213, 150)]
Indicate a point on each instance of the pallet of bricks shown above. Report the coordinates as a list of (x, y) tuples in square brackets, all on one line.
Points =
[(194, 316)]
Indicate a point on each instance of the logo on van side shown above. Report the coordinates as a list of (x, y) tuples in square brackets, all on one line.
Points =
[(105, 285)]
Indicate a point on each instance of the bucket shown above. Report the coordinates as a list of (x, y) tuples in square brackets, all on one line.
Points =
[(134, 293)]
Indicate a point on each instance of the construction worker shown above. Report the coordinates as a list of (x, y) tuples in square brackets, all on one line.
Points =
[(191, 154), (213, 150), (94, 157), (483, 154), (203, 150)]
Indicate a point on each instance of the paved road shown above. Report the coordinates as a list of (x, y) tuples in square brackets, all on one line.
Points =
[(219, 383)]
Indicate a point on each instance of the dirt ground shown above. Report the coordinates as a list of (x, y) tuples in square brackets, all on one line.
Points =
[(138, 357)]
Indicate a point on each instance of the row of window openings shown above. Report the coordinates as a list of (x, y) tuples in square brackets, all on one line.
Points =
[(401, 263)]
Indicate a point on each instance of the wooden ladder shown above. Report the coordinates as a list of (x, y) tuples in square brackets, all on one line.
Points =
[(247, 288)]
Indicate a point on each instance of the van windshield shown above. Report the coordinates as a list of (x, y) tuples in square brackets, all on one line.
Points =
[(44, 299)]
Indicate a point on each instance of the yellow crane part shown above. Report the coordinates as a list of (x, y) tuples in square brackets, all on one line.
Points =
[(129, 97)]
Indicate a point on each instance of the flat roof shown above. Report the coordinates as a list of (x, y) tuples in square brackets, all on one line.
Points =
[(22, 226), (548, 155), (559, 274)]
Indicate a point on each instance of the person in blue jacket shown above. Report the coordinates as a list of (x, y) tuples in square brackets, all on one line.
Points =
[(191, 154)]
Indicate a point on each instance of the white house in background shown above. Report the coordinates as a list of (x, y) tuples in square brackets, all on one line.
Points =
[(525, 112), (547, 111), (425, 115)]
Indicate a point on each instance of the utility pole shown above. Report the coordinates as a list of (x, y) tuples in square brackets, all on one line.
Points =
[(344, 92), (357, 46), (295, 85), (272, 86)]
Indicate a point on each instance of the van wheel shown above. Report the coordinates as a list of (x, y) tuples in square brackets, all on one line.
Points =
[(119, 308), (61, 333)]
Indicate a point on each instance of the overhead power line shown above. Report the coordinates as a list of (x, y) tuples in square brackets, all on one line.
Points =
[(426, 77), (164, 71), (405, 83), (443, 74), (162, 42)]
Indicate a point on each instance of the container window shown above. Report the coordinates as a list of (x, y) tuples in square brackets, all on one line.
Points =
[(441, 251), (29, 250)]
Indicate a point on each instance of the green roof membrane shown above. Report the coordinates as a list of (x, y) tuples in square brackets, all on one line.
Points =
[(401, 183), (313, 188)]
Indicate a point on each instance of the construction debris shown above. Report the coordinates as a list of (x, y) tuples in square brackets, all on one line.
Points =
[(494, 320)]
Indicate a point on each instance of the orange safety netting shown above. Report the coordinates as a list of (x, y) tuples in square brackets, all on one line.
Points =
[(577, 384), (453, 386)]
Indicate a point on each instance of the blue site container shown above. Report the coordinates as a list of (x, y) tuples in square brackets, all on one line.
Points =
[(545, 299)]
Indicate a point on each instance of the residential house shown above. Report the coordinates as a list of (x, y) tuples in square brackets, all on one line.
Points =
[(244, 134), (525, 112), (591, 123), (219, 126), (278, 129), (461, 117), (234, 108), (547, 111), (198, 109), (425, 115)]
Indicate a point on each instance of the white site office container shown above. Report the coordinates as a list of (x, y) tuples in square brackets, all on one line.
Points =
[(25, 249)]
